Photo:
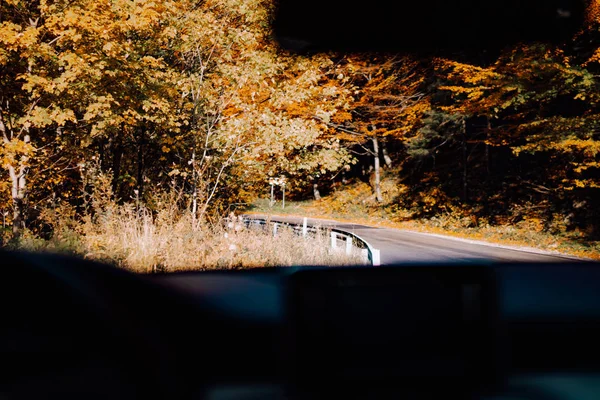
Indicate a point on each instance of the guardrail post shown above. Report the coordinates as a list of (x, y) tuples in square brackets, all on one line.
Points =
[(375, 258), (371, 254)]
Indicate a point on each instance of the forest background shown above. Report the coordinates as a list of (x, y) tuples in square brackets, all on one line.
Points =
[(163, 116)]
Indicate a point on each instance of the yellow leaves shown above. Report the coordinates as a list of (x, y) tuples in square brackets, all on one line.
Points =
[(389, 94), (100, 107), (298, 110), (170, 32), (589, 147), (76, 37), (184, 68), (9, 35), (152, 62), (472, 93), (41, 117), (341, 116), (476, 90), (70, 17), (594, 58), (108, 47), (17, 42), (470, 74), (412, 116), (535, 223), (15, 151), (593, 13), (145, 16), (60, 117), (581, 167), (585, 183), (580, 183)]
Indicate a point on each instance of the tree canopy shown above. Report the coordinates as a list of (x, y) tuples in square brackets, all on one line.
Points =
[(197, 97)]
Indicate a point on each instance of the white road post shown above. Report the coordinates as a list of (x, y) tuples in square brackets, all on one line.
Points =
[(304, 226), (275, 229), (348, 244), (376, 258), (333, 240)]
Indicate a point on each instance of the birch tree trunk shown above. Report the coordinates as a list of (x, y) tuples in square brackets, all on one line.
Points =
[(194, 190), (386, 157), (18, 191), (316, 192), (117, 156), (487, 148), (140, 163), (465, 160), (377, 169)]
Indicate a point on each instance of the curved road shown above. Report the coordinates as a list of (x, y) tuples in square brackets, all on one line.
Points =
[(400, 246)]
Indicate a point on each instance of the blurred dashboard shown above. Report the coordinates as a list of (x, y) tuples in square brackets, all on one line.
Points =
[(77, 329)]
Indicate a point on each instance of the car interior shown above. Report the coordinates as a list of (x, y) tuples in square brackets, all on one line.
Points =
[(78, 329)]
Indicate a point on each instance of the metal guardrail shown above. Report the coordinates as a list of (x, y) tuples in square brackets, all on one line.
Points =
[(348, 239)]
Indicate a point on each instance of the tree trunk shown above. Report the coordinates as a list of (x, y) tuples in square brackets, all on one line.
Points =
[(464, 162), (18, 191), (18, 220), (316, 191), (140, 164), (386, 157), (102, 154), (117, 150), (487, 148), (377, 169), (194, 189), (344, 180)]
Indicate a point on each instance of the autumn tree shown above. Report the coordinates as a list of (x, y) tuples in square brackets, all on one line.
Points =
[(529, 125), (19, 111), (157, 93), (389, 101), (82, 74)]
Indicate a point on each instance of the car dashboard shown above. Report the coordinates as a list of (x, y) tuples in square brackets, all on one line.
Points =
[(78, 329)]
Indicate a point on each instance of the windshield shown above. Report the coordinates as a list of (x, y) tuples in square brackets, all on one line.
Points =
[(174, 135)]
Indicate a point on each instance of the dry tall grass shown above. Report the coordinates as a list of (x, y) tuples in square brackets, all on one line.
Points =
[(138, 241), (168, 239)]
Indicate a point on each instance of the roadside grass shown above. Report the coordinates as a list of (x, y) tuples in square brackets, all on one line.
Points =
[(169, 240), (356, 203)]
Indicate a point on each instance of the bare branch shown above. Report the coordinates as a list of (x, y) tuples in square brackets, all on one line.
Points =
[(368, 150), (358, 153), (340, 127), (218, 179)]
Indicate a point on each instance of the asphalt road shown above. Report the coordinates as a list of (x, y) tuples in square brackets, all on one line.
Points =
[(400, 246)]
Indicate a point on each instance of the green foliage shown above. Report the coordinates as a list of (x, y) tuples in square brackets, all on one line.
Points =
[(438, 129)]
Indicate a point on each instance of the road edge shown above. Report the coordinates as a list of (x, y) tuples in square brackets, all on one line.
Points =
[(525, 249)]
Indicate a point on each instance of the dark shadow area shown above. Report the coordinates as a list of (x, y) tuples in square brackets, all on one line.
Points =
[(426, 27)]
